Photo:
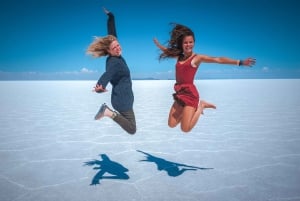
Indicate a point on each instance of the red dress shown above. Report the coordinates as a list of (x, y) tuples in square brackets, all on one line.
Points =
[(186, 92)]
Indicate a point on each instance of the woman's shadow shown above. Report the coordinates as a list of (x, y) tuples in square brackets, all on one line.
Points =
[(116, 170), (173, 169)]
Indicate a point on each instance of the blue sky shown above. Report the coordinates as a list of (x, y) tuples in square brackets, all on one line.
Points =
[(46, 39)]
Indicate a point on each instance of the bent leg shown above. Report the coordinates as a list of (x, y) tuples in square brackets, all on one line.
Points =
[(190, 116), (127, 121), (175, 115), (205, 105)]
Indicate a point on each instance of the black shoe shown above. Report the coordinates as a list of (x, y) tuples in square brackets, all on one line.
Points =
[(101, 111)]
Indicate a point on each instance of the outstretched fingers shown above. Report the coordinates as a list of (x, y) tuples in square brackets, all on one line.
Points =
[(250, 62)]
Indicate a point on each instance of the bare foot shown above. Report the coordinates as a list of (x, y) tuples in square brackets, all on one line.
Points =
[(205, 105)]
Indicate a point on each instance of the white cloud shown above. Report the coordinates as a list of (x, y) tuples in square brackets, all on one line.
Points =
[(265, 69), (85, 70)]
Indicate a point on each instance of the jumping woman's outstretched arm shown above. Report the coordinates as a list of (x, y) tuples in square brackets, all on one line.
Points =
[(157, 43), (248, 62)]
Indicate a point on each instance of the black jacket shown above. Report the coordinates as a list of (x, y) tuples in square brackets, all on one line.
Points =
[(118, 74)]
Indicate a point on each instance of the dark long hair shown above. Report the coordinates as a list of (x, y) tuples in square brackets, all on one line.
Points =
[(174, 47)]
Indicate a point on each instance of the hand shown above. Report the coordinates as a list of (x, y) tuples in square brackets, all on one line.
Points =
[(156, 42), (105, 10), (248, 62), (99, 89), (163, 48)]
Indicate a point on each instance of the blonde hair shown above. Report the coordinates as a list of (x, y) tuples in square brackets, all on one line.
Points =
[(100, 46)]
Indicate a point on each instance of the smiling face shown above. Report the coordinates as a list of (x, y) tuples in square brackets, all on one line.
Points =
[(115, 48), (188, 45)]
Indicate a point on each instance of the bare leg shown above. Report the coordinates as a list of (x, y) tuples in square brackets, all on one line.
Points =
[(190, 116), (205, 105), (109, 113), (175, 115)]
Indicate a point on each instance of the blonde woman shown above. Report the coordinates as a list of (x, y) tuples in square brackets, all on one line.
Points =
[(118, 74)]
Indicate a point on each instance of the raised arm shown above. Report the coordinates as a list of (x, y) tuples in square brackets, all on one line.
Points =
[(161, 47), (111, 27), (248, 62)]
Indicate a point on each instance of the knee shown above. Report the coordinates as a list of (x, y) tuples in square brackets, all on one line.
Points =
[(131, 131), (172, 124), (185, 129)]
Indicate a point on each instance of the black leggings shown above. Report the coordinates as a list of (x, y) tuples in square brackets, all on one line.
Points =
[(127, 121)]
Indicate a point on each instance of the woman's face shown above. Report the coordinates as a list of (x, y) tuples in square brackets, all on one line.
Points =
[(188, 44), (115, 49)]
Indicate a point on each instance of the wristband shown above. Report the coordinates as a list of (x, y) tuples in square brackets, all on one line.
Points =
[(241, 62)]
